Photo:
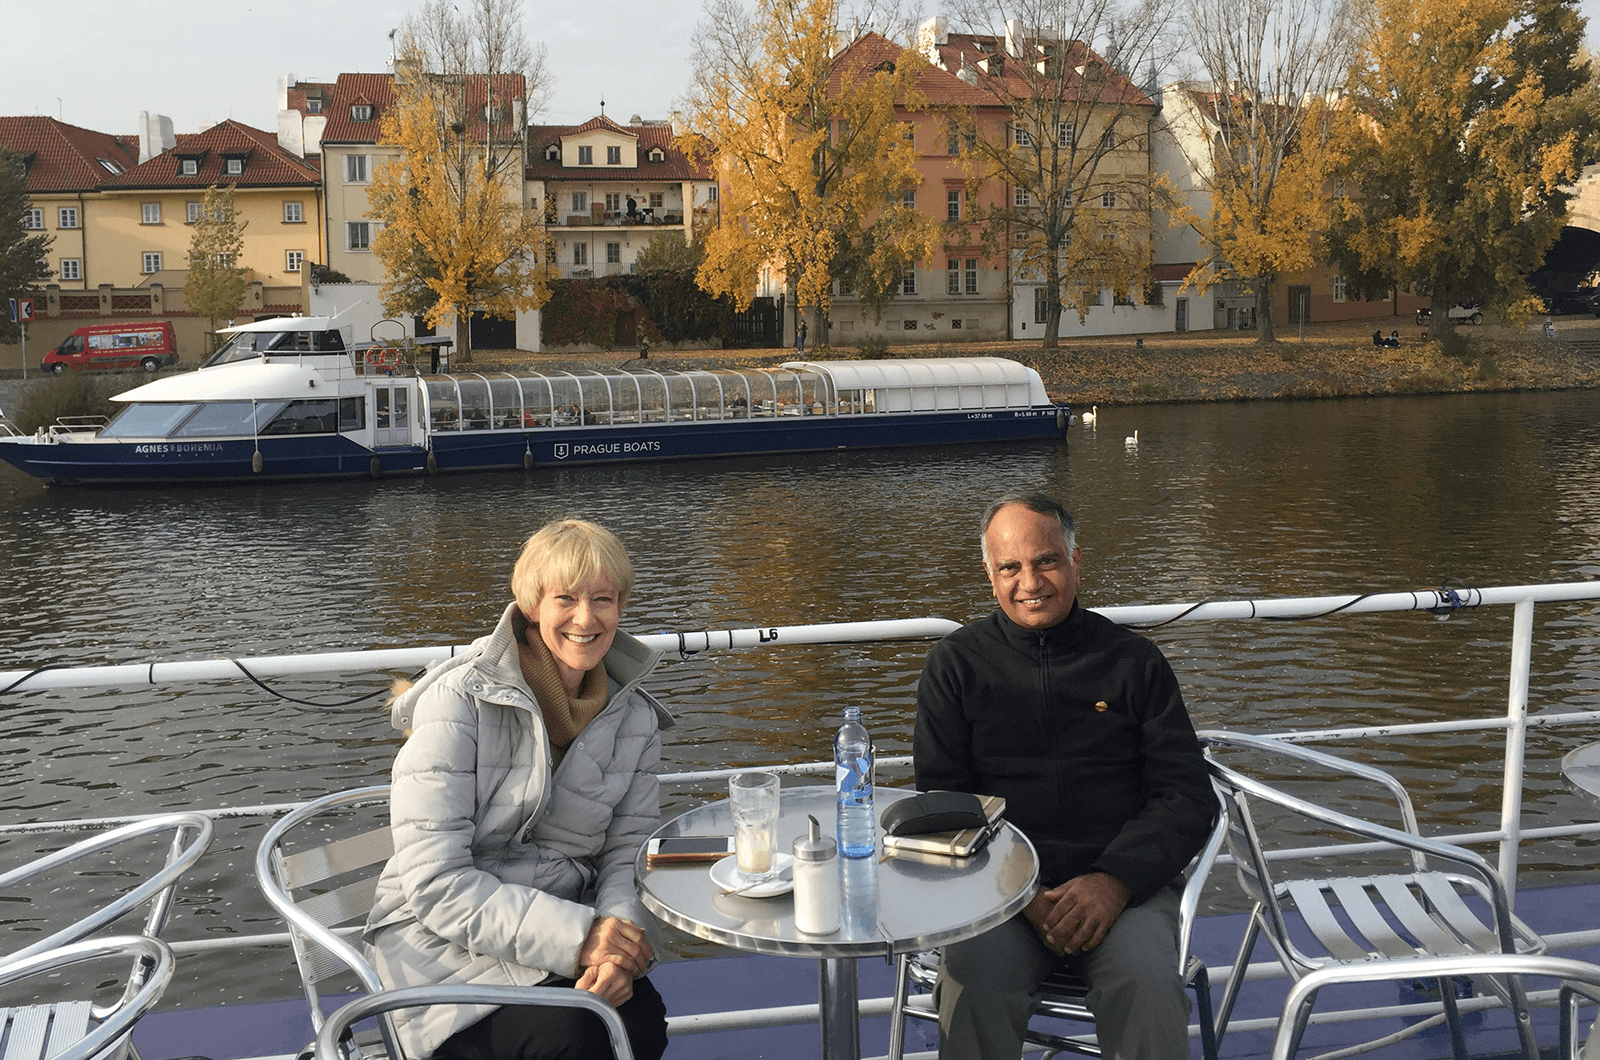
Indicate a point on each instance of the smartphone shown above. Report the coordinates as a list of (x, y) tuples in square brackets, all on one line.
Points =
[(688, 850)]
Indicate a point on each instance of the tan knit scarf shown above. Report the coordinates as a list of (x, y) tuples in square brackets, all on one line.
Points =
[(564, 715)]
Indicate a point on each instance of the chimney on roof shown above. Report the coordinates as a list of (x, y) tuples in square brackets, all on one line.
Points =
[(155, 135), (635, 120), (1015, 32), (930, 35)]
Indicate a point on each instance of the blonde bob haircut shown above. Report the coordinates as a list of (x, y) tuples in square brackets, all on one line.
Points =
[(566, 554)]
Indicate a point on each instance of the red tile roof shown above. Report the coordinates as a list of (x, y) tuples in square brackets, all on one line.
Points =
[(675, 166), (940, 87), (971, 49), (378, 92), (266, 164), (66, 157)]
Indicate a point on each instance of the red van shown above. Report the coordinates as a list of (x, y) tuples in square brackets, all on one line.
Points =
[(97, 347)]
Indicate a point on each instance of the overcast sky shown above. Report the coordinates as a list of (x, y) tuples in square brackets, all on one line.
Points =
[(98, 64)]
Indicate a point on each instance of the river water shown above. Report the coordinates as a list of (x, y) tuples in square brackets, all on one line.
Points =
[(1219, 501)]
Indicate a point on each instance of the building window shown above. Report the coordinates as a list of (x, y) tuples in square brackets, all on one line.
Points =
[(972, 275), (657, 155), (952, 204), (189, 167), (908, 198), (613, 201), (1338, 188), (908, 281), (355, 169), (613, 253), (585, 156), (952, 139), (33, 219), (1021, 136), (234, 166), (1064, 133), (150, 213), (152, 263), (1041, 306), (1109, 200), (1338, 288), (1021, 197), (580, 202), (658, 199), (909, 132), (1108, 139), (358, 235), (361, 112), (292, 260), (313, 106), (580, 253), (952, 276), (192, 212), (67, 217), (613, 156), (293, 214), (69, 269), (711, 194)]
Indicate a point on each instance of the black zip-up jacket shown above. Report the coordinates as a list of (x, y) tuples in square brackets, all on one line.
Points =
[(1082, 729)]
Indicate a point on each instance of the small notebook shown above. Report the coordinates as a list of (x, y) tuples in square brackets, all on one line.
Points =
[(960, 844)]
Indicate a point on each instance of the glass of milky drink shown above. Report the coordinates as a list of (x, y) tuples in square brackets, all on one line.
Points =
[(753, 798)]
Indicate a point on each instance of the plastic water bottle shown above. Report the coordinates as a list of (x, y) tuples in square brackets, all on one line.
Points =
[(852, 773)]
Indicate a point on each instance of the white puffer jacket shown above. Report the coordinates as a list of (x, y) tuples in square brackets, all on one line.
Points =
[(501, 867)]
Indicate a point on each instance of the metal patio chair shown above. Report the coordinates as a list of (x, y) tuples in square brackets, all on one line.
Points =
[(1064, 995), (1444, 900), (71, 1019), (64, 1031), (319, 866), (1580, 984)]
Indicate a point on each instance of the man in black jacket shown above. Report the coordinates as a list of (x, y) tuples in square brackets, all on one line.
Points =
[(1080, 725)]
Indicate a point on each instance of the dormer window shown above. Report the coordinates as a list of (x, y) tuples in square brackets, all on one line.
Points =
[(657, 155), (613, 156), (585, 156), (313, 106), (361, 112), (552, 153), (108, 165), (188, 167), (234, 166)]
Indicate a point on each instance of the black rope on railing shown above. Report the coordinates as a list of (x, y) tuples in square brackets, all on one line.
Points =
[(18, 683), (311, 702)]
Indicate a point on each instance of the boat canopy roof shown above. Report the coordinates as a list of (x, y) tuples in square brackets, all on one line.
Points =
[(245, 381), (933, 371), (294, 323)]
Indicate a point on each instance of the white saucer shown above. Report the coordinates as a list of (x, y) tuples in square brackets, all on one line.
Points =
[(725, 874)]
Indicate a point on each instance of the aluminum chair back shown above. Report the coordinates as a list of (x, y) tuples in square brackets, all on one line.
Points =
[(319, 866), (63, 1031), (1382, 918)]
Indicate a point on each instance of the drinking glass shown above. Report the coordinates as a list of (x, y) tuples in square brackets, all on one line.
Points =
[(753, 798)]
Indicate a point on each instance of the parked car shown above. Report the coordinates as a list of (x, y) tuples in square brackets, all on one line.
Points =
[(148, 345), (1467, 311), (1582, 300)]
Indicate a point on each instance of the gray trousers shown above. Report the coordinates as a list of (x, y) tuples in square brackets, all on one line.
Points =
[(1137, 996)]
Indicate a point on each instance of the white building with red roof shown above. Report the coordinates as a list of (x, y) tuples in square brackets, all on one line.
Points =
[(607, 190)]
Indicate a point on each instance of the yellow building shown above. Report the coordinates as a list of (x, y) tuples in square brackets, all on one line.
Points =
[(143, 222)]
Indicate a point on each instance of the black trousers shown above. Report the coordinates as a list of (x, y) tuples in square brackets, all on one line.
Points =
[(534, 1032)]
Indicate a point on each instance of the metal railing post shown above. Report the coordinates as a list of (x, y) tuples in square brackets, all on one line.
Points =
[(1516, 744)]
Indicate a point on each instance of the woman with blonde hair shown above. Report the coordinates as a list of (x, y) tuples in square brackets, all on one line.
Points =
[(518, 805)]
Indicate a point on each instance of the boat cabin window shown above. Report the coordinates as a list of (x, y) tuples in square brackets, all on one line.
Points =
[(223, 419), (147, 419), (330, 340), (315, 416), (244, 346), (444, 405), (475, 407)]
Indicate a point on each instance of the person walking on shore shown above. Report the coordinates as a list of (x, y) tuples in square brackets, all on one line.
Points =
[(800, 337)]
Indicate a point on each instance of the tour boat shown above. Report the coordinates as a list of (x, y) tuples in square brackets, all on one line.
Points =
[(294, 397)]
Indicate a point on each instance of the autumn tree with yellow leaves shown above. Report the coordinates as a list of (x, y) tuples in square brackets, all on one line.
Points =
[(455, 235), (1473, 120), (810, 151), (1268, 113)]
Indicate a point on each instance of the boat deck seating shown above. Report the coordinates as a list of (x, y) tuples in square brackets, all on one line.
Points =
[(1449, 903), (1065, 995), (319, 867), (64, 1026)]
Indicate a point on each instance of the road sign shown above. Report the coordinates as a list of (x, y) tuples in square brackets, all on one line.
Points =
[(24, 310)]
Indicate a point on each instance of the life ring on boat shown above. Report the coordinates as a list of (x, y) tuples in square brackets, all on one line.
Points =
[(382, 357)]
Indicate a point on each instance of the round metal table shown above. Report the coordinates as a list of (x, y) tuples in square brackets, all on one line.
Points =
[(888, 906), (1580, 768)]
